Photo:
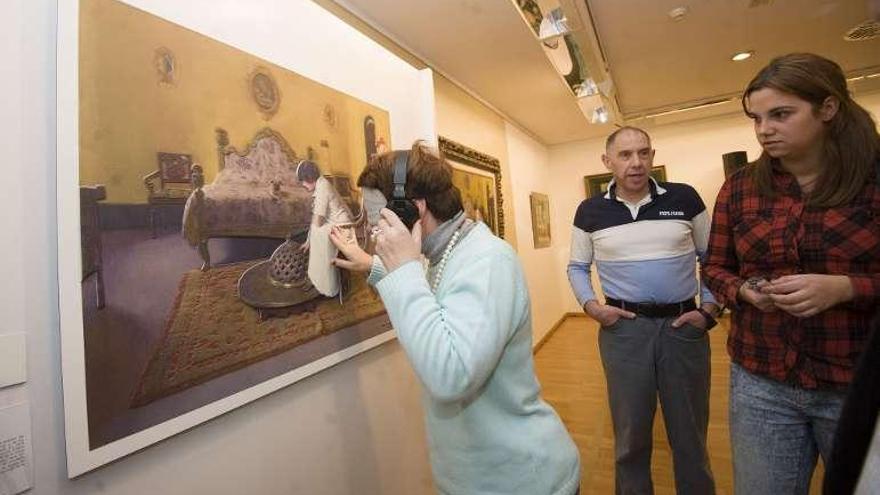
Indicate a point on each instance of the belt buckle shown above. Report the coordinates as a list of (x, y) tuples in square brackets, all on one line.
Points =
[(646, 309)]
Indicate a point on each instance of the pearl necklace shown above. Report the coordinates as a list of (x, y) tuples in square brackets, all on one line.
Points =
[(438, 271)]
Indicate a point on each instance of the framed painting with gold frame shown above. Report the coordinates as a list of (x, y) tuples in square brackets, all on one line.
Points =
[(598, 183), (478, 177), (540, 206)]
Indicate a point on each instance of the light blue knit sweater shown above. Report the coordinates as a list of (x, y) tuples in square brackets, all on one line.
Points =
[(489, 432)]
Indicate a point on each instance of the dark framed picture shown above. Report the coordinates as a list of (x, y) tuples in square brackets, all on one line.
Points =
[(598, 183), (540, 204)]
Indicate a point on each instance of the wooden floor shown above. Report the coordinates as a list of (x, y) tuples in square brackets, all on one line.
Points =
[(570, 371)]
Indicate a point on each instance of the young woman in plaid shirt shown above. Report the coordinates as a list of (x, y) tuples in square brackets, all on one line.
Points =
[(794, 251)]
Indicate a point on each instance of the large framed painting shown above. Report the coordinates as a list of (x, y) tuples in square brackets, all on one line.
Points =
[(183, 291), (540, 206), (478, 177), (598, 184)]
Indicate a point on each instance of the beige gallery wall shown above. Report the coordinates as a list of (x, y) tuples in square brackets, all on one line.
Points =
[(524, 164), (463, 119), (690, 151), (530, 163)]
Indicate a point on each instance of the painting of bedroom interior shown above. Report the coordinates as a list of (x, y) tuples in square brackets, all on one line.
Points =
[(188, 152)]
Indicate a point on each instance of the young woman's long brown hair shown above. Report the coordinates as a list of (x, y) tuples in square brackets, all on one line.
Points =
[(852, 144)]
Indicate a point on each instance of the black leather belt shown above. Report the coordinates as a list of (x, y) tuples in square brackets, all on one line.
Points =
[(652, 310)]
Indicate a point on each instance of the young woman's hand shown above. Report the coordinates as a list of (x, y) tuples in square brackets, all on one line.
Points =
[(808, 294), (754, 295)]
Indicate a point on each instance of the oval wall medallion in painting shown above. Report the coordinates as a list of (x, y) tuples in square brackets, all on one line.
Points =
[(166, 66), (330, 117), (264, 91)]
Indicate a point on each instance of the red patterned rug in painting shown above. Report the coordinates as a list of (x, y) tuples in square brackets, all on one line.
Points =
[(210, 332)]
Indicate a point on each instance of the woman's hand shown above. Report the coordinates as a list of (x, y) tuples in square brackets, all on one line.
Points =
[(806, 295), (395, 244), (356, 259), (753, 294)]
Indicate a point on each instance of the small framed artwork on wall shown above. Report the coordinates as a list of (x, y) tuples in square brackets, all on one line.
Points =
[(540, 204)]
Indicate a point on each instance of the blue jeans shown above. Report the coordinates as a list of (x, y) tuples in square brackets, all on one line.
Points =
[(777, 431)]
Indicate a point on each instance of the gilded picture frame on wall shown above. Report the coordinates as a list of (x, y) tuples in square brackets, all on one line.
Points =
[(478, 177), (598, 183), (540, 207)]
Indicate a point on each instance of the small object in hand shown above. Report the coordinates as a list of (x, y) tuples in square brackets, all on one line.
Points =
[(754, 282)]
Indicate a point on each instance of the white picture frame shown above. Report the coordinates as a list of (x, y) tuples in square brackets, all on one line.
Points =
[(292, 35)]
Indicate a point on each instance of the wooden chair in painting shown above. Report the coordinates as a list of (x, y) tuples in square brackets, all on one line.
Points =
[(90, 238), (170, 185)]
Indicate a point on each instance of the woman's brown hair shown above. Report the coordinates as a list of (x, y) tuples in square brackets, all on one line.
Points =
[(428, 177), (852, 144)]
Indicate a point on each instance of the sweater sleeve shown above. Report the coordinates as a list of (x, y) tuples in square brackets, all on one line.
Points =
[(455, 340)]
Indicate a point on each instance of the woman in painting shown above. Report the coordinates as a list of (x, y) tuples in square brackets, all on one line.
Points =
[(795, 252), (465, 325), (328, 209)]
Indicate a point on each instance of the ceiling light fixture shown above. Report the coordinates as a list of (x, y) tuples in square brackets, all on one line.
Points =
[(700, 106), (586, 88), (863, 76), (553, 24), (739, 57), (600, 115)]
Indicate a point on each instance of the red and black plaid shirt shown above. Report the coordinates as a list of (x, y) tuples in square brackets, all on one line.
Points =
[(755, 236)]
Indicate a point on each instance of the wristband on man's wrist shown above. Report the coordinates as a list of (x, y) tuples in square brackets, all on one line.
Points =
[(710, 320)]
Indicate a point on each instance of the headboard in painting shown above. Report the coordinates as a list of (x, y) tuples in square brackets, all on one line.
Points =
[(267, 157), (255, 193)]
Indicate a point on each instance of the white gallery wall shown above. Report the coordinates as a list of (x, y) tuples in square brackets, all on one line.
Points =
[(524, 166), (465, 120), (354, 428), (530, 166), (690, 151)]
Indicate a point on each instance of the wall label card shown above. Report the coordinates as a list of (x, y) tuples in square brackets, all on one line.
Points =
[(16, 462)]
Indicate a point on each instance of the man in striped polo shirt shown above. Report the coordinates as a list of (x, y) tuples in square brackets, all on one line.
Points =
[(644, 238)]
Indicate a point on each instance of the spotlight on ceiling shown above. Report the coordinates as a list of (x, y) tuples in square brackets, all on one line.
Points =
[(600, 115), (553, 24), (739, 57), (587, 88)]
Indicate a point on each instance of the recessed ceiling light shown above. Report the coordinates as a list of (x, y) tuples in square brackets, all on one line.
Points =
[(739, 57)]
